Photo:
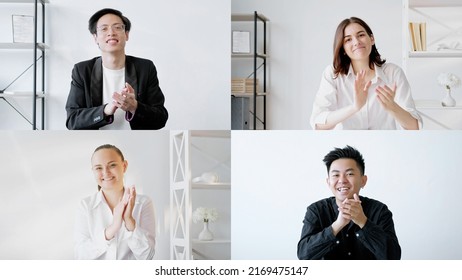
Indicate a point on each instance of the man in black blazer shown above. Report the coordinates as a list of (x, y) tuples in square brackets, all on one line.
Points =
[(114, 91)]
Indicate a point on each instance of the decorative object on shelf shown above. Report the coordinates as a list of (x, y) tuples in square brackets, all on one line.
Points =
[(448, 80), (241, 42), (451, 46), (205, 215), (23, 29), (207, 177)]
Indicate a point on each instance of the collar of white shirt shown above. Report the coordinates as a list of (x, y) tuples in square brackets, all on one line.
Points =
[(379, 74), (97, 200)]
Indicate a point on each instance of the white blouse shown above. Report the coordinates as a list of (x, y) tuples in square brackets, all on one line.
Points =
[(334, 94), (94, 215)]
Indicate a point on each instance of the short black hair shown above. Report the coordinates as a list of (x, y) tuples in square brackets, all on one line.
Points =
[(94, 19), (347, 152)]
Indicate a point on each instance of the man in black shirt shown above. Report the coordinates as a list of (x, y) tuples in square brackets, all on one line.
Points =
[(347, 226)]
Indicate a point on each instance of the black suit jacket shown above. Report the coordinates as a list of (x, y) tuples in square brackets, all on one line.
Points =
[(85, 101)]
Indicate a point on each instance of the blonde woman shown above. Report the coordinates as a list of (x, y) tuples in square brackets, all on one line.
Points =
[(115, 222)]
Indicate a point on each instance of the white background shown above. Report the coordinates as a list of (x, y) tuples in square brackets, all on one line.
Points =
[(277, 174), (45, 175), (188, 41)]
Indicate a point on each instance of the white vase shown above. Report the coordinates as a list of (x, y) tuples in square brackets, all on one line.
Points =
[(448, 101), (206, 234)]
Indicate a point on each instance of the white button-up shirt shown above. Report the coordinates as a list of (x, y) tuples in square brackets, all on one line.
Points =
[(94, 215), (337, 93)]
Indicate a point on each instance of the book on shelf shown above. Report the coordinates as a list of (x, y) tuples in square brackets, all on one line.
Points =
[(242, 85), (418, 34), (423, 35)]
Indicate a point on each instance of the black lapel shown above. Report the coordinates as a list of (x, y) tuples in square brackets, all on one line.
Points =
[(96, 87), (130, 74)]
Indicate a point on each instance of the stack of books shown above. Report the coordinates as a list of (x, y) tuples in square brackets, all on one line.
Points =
[(418, 31), (242, 86)]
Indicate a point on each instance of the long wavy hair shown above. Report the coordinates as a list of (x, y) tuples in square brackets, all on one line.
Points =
[(341, 60)]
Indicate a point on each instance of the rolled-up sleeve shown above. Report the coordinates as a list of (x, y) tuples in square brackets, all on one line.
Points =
[(86, 246), (404, 97), (325, 100), (142, 241)]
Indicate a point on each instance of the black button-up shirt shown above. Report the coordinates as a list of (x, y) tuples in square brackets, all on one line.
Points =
[(376, 240)]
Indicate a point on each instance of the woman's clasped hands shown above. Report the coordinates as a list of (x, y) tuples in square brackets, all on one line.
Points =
[(123, 214)]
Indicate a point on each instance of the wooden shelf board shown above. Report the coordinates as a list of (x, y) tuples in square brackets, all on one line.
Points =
[(434, 104), (21, 94), (246, 17), (248, 94), (436, 54), (248, 55), (211, 133), (22, 46), (433, 3), (23, 1), (215, 241), (211, 186)]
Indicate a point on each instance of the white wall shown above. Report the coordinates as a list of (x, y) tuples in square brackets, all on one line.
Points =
[(188, 41), (277, 174), (300, 47), (45, 175)]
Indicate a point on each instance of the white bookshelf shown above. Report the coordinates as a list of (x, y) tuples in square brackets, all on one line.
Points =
[(191, 154)]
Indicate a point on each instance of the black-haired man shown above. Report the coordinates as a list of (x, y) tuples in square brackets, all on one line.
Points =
[(347, 226), (114, 91)]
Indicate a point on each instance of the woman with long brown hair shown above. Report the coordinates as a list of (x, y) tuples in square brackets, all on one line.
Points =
[(360, 90)]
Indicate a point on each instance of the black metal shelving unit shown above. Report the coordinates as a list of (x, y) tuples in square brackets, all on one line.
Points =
[(259, 54), (38, 47)]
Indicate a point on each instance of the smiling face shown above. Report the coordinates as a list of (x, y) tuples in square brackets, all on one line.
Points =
[(108, 169), (357, 43), (345, 179), (110, 35)]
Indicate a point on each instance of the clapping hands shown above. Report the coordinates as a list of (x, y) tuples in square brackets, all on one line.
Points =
[(123, 213)]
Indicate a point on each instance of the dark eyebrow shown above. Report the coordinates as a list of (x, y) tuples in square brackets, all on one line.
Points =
[(99, 164), (338, 171), (361, 31)]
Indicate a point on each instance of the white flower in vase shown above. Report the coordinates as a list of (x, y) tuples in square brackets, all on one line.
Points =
[(205, 215), (448, 80)]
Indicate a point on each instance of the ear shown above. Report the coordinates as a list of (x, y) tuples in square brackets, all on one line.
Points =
[(127, 35), (125, 165), (372, 39), (363, 181)]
